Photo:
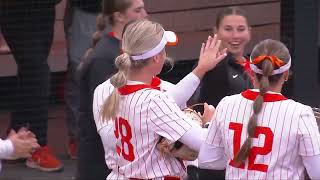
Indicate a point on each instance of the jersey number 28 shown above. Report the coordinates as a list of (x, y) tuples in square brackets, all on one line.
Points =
[(121, 124), (254, 151)]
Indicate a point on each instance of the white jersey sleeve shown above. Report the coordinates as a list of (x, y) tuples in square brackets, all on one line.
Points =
[(104, 128), (211, 155), (6, 149), (214, 136), (107, 136), (312, 164), (188, 85), (101, 93), (309, 137)]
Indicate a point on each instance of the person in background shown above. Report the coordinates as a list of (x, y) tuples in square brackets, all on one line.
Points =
[(79, 25), (132, 99), (30, 48), (232, 75), (259, 133), (96, 67)]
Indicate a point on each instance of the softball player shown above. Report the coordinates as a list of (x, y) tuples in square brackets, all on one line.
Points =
[(141, 112), (105, 129), (260, 134)]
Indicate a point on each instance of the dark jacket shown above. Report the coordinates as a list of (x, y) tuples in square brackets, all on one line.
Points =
[(94, 71), (92, 6), (227, 78)]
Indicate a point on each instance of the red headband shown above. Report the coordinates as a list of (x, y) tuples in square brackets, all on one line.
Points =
[(276, 62)]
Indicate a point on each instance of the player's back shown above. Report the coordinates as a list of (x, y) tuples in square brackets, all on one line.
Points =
[(141, 119), (280, 136), (145, 115)]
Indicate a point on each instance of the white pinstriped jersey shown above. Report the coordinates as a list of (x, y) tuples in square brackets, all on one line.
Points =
[(105, 129), (100, 95), (143, 116), (286, 130)]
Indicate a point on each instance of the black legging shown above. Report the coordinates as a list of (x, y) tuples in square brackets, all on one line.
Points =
[(195, 173), (27, 27)]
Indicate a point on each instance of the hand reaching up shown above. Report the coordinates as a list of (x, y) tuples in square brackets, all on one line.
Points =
[(210, 56)]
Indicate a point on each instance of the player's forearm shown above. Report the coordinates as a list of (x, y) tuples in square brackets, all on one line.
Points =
[(199, 72), (184, 89), (193, 138), (211, 157), (312, 164)]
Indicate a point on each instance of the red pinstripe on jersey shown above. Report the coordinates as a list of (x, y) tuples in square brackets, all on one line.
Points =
[(286, 131), (150, 114)]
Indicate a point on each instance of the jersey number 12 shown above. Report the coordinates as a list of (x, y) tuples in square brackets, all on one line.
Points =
[(254, 151)]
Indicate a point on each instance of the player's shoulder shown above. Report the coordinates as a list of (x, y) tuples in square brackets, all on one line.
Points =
[(230, 98), (303, 109), (154, 93), (298, 105), (104, 86), (157, 95), (166, 85)]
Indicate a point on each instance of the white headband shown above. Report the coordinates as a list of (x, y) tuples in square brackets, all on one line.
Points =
[(168, 37), (281, 69)]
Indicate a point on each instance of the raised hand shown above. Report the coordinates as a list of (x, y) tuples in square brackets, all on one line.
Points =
[(210, 56)]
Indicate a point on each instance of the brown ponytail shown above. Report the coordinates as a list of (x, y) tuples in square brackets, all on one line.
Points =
[(267, 69), (96, 37), (267, 47), (108, 8)]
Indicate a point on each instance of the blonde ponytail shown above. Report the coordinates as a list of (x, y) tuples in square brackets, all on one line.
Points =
[(111, 105), (139, 37)]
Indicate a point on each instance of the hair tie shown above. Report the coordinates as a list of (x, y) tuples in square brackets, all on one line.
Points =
[(276, 62), (279, 65), (125, 55)]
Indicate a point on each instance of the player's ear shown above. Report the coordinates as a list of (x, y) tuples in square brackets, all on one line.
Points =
[(156, 58), (286, 75)]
